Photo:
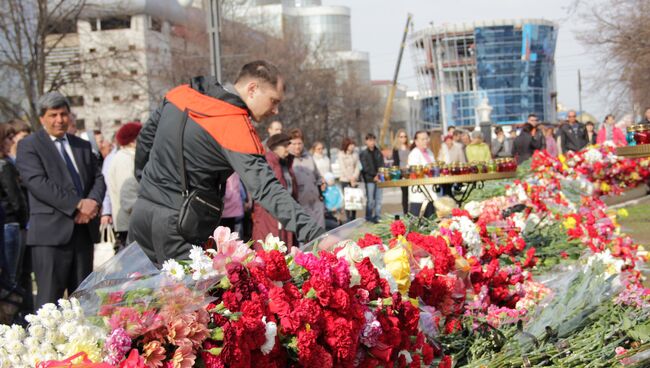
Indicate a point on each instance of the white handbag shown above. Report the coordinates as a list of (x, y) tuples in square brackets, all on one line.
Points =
[(105, 249), (355, 199)]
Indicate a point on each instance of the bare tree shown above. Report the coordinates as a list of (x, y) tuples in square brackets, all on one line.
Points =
[(619, 30), (30, 30)]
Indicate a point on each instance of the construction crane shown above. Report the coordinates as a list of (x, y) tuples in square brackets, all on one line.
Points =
[(391, 95)]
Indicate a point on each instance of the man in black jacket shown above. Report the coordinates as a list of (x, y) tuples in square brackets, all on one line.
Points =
[(371, 160), (218, 139), (66, 188), (525, 144), (573, 135)]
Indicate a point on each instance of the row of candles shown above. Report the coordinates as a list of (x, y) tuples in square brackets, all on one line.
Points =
[(437, 169), (638, 134)]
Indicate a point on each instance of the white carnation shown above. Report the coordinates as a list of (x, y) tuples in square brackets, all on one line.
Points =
[(270, 333)]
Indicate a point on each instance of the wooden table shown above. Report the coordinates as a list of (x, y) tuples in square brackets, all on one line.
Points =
[(634, 151), (429, 186)]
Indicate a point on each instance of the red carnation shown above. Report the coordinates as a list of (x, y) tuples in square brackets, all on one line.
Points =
[(275, 265), (369, 240), (398, 228), (445, 362)]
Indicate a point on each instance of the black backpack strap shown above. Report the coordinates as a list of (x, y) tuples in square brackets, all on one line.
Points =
[(181, 133)]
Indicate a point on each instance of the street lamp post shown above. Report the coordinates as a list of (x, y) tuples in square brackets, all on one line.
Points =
[(484, 110), (213, 22)]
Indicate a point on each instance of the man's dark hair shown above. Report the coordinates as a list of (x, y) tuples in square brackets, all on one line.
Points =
[(532, 115), (450, 128), (370, 136), (527, 127), (498, 130), (52, 100), (260, 69), (457, 132), (589, 123), (97, 132), (296, 133)]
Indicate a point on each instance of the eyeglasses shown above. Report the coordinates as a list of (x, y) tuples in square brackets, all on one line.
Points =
[(402, 136)]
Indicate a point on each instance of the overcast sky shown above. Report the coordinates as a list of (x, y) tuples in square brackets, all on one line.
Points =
[(377, 27)]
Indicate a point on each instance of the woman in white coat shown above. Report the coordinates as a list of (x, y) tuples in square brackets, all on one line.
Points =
[(120, 172), (420, 155)]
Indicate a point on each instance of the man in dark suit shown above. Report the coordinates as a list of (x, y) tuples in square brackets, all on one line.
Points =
[(65, 189)]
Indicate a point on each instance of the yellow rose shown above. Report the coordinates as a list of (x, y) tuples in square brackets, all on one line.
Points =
[(397, 263)]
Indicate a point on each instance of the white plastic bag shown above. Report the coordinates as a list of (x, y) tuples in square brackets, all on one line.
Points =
[(355, 199), (105, 249)]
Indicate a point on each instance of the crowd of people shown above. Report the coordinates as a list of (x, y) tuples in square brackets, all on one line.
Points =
[(59, 186)]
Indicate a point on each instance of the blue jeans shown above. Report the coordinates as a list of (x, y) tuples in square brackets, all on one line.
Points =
[(373, 203), (12, 249)]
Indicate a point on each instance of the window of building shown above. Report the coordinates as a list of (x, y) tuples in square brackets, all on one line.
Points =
[(94, 75), (116, 98), (81, 124), (76, 100), (62, 27), (96, 99), (112, 49), (134, 72), (113, 73), (131, 47), (123, 22), (93, 24), (117, 122), (92, 50), (155, 24), (135, 96)]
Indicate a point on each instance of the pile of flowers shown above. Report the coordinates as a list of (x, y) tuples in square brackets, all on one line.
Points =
[(460, 290)]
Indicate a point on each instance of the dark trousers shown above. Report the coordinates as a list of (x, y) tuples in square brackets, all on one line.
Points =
[(63, 267), (405, 200), (415, 209), (154, 228), (349, 215)]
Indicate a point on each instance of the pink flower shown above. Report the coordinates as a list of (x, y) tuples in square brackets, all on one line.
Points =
[(183, 357), (118, 343), (154, 354), (134, 360), (620, 350)]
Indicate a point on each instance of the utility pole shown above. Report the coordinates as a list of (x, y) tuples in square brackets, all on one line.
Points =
[(440, 82), (391, 94), (580, 94), (214, 30)]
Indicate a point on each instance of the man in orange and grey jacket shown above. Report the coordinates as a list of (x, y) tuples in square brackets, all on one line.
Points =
[(219, 138)]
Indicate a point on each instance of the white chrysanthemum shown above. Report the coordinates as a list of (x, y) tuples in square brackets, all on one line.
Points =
[(37, 331), (15, 333), (273, 243), (202, 271), (173, 269), (518, 191), (474, 208), (68, 329), (593, 155), (270, 333), (469, 232), (68, 314), (196, 253)]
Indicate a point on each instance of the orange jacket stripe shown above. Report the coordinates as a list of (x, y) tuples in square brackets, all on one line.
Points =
[(229, 125)]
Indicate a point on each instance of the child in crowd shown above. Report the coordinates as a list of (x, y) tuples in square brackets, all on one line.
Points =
[(333, 198)]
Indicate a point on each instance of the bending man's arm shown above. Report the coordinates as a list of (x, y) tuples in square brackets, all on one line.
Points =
[(262, 185)]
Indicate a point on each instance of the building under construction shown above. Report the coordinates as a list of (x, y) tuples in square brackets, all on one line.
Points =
[(510, 62)]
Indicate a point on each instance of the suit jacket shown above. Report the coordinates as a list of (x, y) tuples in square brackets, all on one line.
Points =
[(53, 199)]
